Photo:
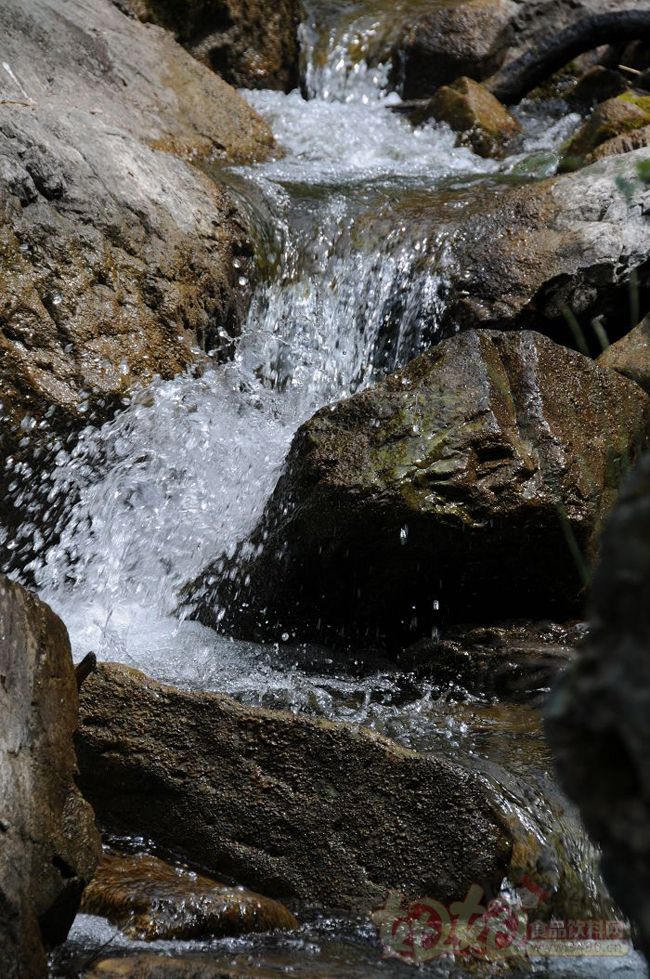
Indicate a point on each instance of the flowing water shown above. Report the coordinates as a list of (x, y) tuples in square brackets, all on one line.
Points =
[(357, 222)]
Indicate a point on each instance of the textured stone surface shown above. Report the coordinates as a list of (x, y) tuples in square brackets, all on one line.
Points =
[(529, 254), (152, 900), (630, 356), (599, 719), (48, 843), (117, 256), (453, 483), (250, 43), (617, 117), (301, 810)]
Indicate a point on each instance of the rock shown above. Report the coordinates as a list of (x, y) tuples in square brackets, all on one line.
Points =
[(614, 118), (638, 139), (250, 44), (479, 119), (49, 846), (596, 85), (598, 719), (529, 254), (511, 662), (485, 462), (117, 255), (630, 356), (151, 900), (302, 810), (449, 41)]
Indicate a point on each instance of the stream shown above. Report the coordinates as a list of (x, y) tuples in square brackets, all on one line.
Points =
[(356, 225)]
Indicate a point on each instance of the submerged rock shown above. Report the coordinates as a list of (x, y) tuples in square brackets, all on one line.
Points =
[(479, 119), (512, 662), (472, 483), (599, 719), (250, 44), (161, 967), (630, 356), (120, 261), (302, 810), (49, 846), (149, 899)]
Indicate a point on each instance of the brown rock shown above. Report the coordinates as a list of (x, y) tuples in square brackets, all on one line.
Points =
[(250, 43), (630, 356), (479, 119), (596, 85), (49, 846), (638, 139), (470, 480), (149, 899), (300, 809)]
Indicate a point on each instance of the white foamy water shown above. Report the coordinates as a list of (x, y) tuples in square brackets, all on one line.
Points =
[(182, 475)]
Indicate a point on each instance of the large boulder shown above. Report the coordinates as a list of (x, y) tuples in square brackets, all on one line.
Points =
[(535, 255), (599, 718), (250, 43), (154, 901), (471, 484), (301, 810), (49, 846), (120, 261)]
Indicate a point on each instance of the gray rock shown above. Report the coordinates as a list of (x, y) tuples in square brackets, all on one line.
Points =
[(301, 810), (117, 255), (599, 718), (49, 846), (630, 356), (468, 481)]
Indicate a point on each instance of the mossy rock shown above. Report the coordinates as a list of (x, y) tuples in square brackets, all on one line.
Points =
[(615, 119)]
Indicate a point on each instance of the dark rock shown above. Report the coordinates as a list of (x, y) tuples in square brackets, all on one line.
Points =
[(512, 662), (479, 119), (599, 718), (49, 846), (250, 44), (630, 356), (467, 480), (162, 967), (302, 810), (152, 900), (117, 256), (596, 85), (452, 40)]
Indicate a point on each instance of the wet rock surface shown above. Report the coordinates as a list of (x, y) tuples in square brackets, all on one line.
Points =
[(630, 356), (514, 662), (160, 967), (118, 258), (304, 811), (152, 900), (250, 43), (49, 846), (615, 118), (598, 719), (391, 502), (568, 244)]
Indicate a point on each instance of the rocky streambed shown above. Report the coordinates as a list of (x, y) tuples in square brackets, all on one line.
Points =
[(309, 437)]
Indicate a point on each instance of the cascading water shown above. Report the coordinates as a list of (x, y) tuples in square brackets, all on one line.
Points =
[(183, 473)]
